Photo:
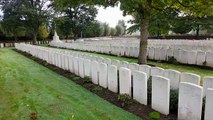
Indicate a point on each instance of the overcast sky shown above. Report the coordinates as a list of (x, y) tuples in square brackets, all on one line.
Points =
[(111, 15)]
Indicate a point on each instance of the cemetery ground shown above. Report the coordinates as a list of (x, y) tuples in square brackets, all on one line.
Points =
[(29, 90), (202, 71)]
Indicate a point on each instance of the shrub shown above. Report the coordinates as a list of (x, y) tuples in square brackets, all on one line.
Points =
[(172, 59), (125, 99), (97, 89), (87, 79), (154, 115)]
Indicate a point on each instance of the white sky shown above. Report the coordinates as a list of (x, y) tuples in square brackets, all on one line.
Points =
[(111, 15)]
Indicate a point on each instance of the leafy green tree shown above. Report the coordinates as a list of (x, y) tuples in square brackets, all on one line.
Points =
[(92, 29), (79, 14), (112, 31), (11, 24), (181, 25), (119, 30), (43, 31), (28, 13), (106, 29), (63, 27)]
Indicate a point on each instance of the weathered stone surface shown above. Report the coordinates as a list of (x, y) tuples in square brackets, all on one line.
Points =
[(107, 61), (201, 58), (190, 101), (157, 71), (113, 78), (209, 59), (87, 68), (151, 53), (140, 87), (95, 70), (103, 75), (81, 67), (163, 54), (183, 56), (133, 67), (174, 77), (190, 77), (71, 65), (146, 69), (157, 53), (124, 64), (66, 60), (160, 94), (177, 54), (209, 105), (192, 57), (125, 81), (116, 63), (76, 69), (207, 83)]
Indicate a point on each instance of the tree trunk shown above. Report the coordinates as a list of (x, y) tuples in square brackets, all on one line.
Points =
[(197, 31), (15, 38), (142, 59), (34, 39)]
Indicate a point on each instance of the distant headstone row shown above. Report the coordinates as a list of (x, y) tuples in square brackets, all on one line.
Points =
[(197, 53), (3, 45), (130, 78)]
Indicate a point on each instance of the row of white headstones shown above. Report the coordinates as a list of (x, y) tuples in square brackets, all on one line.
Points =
[(200, 58), (197, 45), (120, 77)]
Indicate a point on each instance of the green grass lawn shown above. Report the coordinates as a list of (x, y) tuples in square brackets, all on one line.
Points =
[(182, 68), (27, 87)]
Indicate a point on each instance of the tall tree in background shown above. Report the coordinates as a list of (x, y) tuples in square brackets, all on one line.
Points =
[(78, 14), (120, 28), (34, 14), (12, 25), (30, 14)]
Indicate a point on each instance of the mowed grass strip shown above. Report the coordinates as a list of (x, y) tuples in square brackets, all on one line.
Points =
[(31, 91)]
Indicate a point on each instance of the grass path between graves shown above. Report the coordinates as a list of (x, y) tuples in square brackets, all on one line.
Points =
[(29, 91), (182, 68)]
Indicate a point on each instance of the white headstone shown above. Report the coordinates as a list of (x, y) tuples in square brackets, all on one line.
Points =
[(103, 75), (146, 69), (113, 78), (71, 65), (87, 67), (95, 69), (192, 57), (124, 64), (157, 71), (201, 57), (125, 81), (107, 61), (81, 67), (116, 63), (209, 59), (140, 87), (76, 69), (207, 83), (170, 53), (209, 105), (174, 77), (190, 77), (190, 101), (133, 67), (160, 94)]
